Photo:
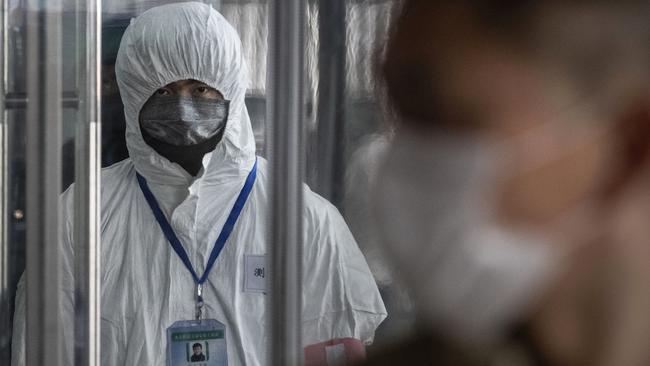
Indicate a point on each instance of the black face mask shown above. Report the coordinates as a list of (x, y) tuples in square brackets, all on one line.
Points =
[(183, 129), (189, 157)]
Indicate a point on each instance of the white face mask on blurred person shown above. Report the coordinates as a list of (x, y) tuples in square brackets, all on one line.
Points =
[(471, 278)]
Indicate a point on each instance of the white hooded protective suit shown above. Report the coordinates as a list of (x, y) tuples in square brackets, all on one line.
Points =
[(145, 286)]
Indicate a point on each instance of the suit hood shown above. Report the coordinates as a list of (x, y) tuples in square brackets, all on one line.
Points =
[(176, 42)]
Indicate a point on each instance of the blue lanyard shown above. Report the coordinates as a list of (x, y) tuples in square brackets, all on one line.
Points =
[(221, 240)]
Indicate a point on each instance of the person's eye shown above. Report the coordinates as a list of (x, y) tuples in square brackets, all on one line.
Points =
[(202, 89), (163, 91)]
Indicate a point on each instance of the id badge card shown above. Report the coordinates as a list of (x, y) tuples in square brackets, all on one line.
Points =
[(197, 343)]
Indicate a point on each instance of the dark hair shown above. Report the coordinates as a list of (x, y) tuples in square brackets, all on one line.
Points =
[(197, 345), (409, 68), (408, 72)]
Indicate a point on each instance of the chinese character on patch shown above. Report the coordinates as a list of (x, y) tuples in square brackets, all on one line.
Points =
[(259, 272)]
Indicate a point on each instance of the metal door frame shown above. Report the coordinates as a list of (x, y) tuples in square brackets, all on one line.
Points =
[(285, 105)]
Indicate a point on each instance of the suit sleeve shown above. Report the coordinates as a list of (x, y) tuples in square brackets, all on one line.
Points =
[(340, 296)]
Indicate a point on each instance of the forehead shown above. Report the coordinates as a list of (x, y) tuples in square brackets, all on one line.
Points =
[(184, 84)]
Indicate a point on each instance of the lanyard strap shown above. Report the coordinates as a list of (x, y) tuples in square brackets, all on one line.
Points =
[(223, 236)]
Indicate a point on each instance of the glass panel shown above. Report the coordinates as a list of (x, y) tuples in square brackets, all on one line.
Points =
[(367, 136), (15, 220), (355, 136), (41, 90), (250, 19), (16, 43), (19, 112), (113, 123)]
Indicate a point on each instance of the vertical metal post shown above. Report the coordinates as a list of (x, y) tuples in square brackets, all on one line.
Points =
[(285, 112), (87, 197), (5, 291), (43, 172), (331, 99)]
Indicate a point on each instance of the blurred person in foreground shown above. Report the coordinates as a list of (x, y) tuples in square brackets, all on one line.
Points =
[(515, 198)]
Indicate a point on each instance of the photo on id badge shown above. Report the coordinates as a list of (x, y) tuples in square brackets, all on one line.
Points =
[(197, 343)]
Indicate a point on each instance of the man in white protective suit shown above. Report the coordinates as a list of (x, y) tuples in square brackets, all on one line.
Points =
[(184, 219)]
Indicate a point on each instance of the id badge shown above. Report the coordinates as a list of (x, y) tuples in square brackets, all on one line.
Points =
[(197, 343)]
